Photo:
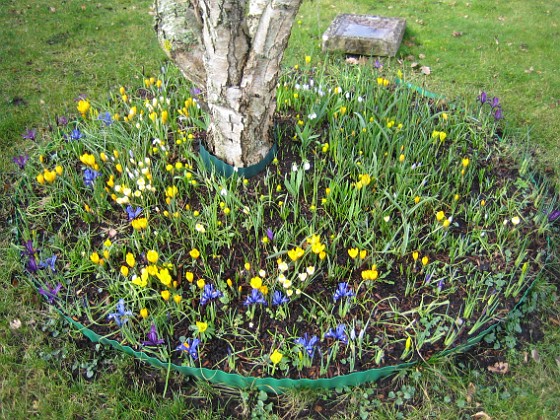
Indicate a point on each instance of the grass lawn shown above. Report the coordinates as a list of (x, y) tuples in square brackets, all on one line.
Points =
[(54, 51)]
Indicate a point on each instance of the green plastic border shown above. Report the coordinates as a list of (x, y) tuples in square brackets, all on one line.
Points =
[(224, 169), (273, 384)]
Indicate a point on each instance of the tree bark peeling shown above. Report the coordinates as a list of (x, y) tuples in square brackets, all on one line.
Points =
[(242, 42)]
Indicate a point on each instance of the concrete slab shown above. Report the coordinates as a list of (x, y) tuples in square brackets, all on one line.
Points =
[(364, 35)]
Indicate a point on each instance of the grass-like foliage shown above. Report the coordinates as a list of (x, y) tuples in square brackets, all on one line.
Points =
[(389, 227)]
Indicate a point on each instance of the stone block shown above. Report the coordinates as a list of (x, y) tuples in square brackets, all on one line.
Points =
[(364, 35)]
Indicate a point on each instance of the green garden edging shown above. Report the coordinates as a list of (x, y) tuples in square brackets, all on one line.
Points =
[(275, 385), (224, 169)]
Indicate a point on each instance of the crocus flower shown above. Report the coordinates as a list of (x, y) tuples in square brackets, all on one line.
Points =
[(132, 212), (482, 97), (195, 91), (495, 102), (89, 176), (270, 234), (50, 292), (498, 114), (21, 161), (308, 343), (190, 346), (49, 263), (30, 134), (106, 118), (209, 293), (338, 334), (377, 64), (342, 291), (32, 264), (256, 297), (440, 285), (122, 314), (153, 339), (62, 120), (278, 298), (553, 215)]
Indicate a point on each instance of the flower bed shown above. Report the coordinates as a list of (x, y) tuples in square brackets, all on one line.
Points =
[(389, 228)]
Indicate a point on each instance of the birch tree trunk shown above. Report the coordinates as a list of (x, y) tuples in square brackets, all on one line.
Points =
[(231, 49)]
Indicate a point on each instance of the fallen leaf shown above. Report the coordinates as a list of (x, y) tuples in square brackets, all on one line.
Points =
[(414, 64), (83, 7), (481, 415), (425, 70), (352, 60), (530, 70), (525, 357), (457, 34), (535, 355), (499, 367), (471, 390), (558, 361), (52, 9), (421, 56), (501, 18)]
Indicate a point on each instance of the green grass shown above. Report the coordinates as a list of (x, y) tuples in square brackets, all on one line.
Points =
[(48, 58)]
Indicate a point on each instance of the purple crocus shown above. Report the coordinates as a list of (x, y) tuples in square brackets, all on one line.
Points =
[(30, 134), (190, 346), (553, 215), (49, 263), (133, 213), (152, 338), (279, 298), (342, 291), (440, 285), (62, 120), (255, 298), (89, 176), (482, 97), (209, 293), (377, 64), (21, 160), (270, 234), (308, 343), (495, 102), (498, 114), (195, 91), (50, 292), (32, 264), (30, 252), (106, 118), (122, 314), (338, 334)]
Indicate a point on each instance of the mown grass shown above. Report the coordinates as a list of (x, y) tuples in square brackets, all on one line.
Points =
[(52, 57)]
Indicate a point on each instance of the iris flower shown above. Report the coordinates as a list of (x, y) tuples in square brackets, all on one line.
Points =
[(76, 134), (308, 343), (106, 118), (49, 263), (89, 176), (278, 298), (270, 234), (132, 212), (209, 293), (50, 292), (256, 297), (153, 339), (29, 251), (122, 314), (190, 346), (342, 291), (21, 160), (338, 334)]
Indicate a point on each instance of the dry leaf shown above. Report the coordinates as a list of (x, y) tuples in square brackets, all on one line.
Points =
[(525, 357), (425, 70), (15, 324), (457, 34), (352, 60), (112, 233), (530, 70), (52, 9), (481, 415), (499, 367), (535, 355), (471, 390), (421, 56), (414, 64)]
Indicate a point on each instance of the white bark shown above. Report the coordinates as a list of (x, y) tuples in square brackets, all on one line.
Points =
[(243, 43)]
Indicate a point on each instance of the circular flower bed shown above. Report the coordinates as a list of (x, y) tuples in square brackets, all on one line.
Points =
[(389, 227)]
